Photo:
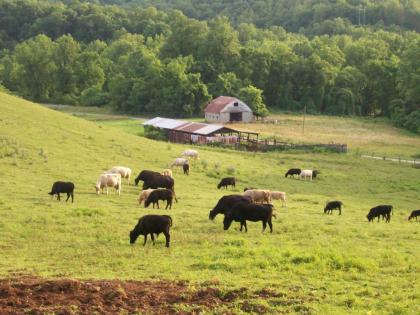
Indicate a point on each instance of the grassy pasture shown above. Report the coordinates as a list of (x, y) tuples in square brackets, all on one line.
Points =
[(322, 264)]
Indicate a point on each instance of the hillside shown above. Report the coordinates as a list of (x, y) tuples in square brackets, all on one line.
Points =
[(315, 263)]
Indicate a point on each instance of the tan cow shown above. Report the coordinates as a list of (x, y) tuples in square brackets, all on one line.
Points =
[(279, 195), (125, 172), (108, 180), (258, 195), (167, 172), (144, 194)]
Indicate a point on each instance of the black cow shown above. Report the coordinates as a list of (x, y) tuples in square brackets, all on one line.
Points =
[(332, 205), (382, 210), (159, 181), (145, 175), (227, 181), (414, 214), (63, 187), (292, 172), (186, 168), (160, 194), (152, 224), (243, 212), (226, 203)]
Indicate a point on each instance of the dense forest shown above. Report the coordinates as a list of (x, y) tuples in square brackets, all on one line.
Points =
[(334, 57)]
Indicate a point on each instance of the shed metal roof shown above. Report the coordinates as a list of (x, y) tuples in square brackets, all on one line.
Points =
[(188, 127)]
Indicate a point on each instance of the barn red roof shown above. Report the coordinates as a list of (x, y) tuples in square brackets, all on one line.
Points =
[(216, 105)]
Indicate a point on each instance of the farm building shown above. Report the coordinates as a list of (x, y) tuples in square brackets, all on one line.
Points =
[(193, 132), (224, 109)]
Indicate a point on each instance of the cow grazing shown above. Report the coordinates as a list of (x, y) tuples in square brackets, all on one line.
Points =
[(258, 195), (242, 212), (226, 203), (108, 180), (227, 181), (311, 174), (144, 194), (64, 188), (378, 211), (186, 169), (166, 172), (333, 205), (145, 175), (414, 214), (179, 162), (152, 224), (292, 172), (190, 153), (159, 181), (160, 194), (279, 195), (125, 172)]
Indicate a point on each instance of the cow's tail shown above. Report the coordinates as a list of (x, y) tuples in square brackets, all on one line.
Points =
[(173, 190)]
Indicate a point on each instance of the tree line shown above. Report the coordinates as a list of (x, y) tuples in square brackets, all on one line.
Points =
[(145, 60)]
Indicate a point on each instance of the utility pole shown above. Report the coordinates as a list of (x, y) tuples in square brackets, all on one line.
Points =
[(364, 15), (304, 117)]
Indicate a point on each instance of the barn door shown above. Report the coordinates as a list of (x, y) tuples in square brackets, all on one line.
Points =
[(235, 117)]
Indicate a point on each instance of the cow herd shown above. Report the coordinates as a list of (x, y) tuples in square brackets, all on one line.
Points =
[(253, 205)]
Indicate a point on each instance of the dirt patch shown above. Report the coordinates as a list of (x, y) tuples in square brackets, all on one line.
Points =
[(33, 295)]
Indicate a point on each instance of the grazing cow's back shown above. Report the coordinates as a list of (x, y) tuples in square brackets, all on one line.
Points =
[(332, 205), (160, 194), (382, 210), (63, 187), (278, 195), (152, 224), (259, 195), (144, 194), (292, 172), (414, 214), (125, 172), (159, 181), (145, 175), (190, 153), (227, 181), (179, 162), (108, 180), (243, 212), (226, 203)]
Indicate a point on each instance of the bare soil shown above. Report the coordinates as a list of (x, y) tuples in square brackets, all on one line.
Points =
[(34, 295)]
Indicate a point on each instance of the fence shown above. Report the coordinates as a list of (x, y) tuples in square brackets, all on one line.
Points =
[(414, 162), (272, 145)]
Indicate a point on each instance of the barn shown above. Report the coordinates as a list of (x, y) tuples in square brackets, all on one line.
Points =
[(224, 109)]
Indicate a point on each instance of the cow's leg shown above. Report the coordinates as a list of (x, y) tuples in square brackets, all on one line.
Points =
[(157, 202), (339, 210), (270, 225), (379, 217), (68, 196), (167, 237), (153, 238), (244, 223), (145, 239), (58, 196), (72, 197), (264, 225), (241, 227)]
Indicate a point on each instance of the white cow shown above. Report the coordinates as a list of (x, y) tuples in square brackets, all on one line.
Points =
[(144, 194), (190, 153), (108, 180), (308, 174), (125, 172), (179, 162), (279, 195)]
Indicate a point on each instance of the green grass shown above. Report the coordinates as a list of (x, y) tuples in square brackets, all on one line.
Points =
[(329, 264)]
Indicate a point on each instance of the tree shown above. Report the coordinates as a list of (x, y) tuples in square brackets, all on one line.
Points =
[(253, 98)]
